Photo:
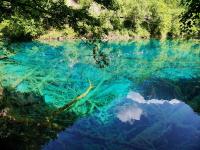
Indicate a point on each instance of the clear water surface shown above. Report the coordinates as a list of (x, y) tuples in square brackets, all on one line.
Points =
[(147, 98)]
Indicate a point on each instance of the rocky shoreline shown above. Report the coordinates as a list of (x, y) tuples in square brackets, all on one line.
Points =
[(110, 37)]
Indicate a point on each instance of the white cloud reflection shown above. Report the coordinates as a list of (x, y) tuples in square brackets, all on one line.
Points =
[(130, 113), (137, 97)]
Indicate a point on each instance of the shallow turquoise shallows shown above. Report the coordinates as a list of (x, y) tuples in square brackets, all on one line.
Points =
[(146, 98)]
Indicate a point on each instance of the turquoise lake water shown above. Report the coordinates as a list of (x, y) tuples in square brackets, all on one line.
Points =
[(146, 98)]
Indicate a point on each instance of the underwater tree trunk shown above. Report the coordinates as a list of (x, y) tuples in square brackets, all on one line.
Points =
[(68, 105)]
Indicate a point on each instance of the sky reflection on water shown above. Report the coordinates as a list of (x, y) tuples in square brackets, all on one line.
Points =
[(134, 123)]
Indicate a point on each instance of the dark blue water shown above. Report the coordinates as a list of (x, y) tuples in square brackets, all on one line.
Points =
[(134, 124)]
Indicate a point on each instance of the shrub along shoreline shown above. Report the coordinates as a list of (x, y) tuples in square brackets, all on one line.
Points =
[(109, 19)]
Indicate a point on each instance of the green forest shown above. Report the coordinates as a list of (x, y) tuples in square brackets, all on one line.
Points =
[(31, 19)]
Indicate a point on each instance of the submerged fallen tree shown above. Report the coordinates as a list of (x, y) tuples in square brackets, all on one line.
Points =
[(75, 100), (22, 114)]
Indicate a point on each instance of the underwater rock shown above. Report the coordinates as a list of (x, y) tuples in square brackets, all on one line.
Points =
[(21, 99)]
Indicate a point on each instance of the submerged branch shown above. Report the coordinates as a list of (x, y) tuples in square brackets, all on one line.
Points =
[(3, 57), (68, 105)]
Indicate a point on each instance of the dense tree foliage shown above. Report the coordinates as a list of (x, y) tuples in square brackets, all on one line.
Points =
[(191, 18), (26, 19)]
